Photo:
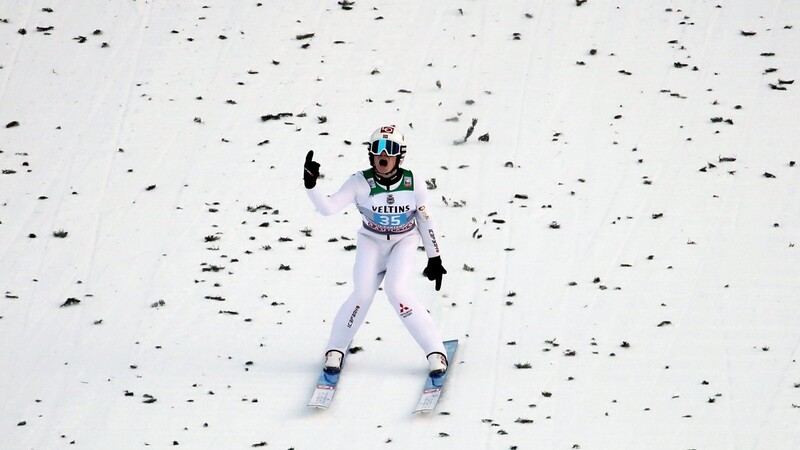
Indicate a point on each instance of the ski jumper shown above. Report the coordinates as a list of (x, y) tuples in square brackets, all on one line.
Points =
[(393, 220)]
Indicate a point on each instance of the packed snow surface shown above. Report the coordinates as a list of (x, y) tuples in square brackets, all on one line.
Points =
[(620, 227)]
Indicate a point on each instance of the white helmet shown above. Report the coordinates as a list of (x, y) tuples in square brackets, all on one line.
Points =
[(387, 139)]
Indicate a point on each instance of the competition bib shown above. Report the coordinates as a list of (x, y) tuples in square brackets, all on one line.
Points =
[(389, 211)]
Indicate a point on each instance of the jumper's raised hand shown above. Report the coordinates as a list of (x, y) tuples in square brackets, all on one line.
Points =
[(310, 170)]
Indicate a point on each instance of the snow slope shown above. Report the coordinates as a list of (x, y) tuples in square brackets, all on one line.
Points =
[(628, 229)]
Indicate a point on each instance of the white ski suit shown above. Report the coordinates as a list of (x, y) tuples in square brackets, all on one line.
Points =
[(393, 220)]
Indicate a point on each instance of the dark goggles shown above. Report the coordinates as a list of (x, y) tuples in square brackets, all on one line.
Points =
[(391, 148)]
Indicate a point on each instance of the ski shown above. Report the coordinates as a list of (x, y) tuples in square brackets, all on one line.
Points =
[(323, 393), (326, 387), (434, 385)]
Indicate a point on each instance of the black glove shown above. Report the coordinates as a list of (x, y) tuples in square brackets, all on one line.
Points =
[(434, 271), (310, 171)]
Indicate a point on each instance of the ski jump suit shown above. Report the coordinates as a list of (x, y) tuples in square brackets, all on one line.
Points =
[(393, 219)]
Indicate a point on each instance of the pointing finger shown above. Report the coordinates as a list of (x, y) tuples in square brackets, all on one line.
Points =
[(309, 155)]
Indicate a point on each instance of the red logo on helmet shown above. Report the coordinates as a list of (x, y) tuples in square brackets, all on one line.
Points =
[(387, 129)]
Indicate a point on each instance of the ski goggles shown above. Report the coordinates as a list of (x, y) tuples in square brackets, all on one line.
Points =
[(391, 148)]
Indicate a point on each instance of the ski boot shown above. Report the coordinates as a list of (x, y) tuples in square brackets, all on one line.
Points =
[(333, 361), (438, 364)]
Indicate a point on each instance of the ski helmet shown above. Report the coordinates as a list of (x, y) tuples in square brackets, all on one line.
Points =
[(387, 139)]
